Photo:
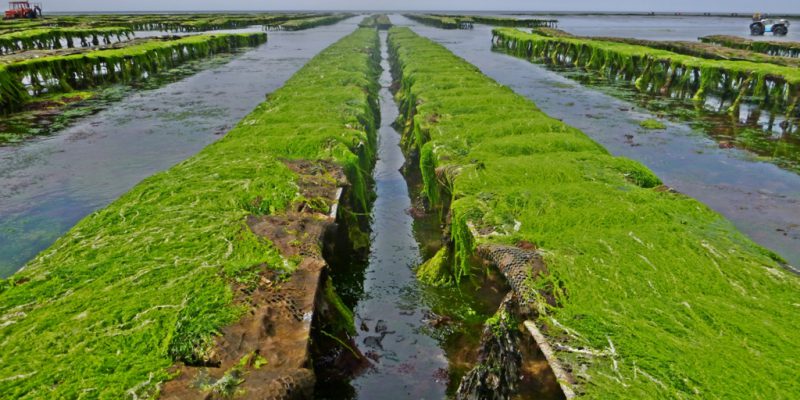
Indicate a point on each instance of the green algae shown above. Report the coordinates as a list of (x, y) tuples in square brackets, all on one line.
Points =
[(437, 271), (20, 81), (342, 317), (145, 282), (51, 38), (664, 72), (652, 124), (657, 296)]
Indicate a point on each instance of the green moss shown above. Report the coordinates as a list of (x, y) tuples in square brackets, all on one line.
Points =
[(146, 281), (690, 305), (651, 123)]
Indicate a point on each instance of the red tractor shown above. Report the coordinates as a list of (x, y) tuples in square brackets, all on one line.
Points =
[(23, 9)]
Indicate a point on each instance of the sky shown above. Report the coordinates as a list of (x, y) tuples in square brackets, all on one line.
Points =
[(740, 6)]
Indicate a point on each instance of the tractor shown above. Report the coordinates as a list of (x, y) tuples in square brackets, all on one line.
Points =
[(23, 9), (778, 27)]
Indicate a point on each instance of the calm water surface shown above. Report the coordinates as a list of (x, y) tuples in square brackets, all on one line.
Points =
[(668, 27)]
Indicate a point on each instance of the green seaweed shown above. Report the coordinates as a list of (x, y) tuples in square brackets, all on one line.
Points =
[(657, 296)]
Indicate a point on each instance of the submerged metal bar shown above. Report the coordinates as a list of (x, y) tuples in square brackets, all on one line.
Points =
[(561, 374)]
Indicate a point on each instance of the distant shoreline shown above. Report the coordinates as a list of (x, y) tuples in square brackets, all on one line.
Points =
[(459, 12)]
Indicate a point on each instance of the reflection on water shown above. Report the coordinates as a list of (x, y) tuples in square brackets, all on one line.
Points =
[(766, 133)]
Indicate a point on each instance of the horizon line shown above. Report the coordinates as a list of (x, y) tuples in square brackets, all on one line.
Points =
[(581, 12)]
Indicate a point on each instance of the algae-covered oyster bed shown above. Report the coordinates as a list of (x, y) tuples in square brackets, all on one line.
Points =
[(703, 50), (51, 114), (147, 281), (648, 293), (69, 86), (380, 21), (50, 68), (665, 72), (57, 38), (765, 125), (194, 22), (444, 22), (306, 23), (761, 132), (773, 48), (29, 78), (448, 21)]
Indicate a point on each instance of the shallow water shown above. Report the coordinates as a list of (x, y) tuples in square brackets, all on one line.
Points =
[(661, 27), (407, 360), (760, 198), (48, 185)]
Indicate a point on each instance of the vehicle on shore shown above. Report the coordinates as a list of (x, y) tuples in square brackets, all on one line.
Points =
[(778, 27), (23, 9)]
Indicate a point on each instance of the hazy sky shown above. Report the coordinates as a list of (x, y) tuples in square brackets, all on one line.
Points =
[(741, 6)]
